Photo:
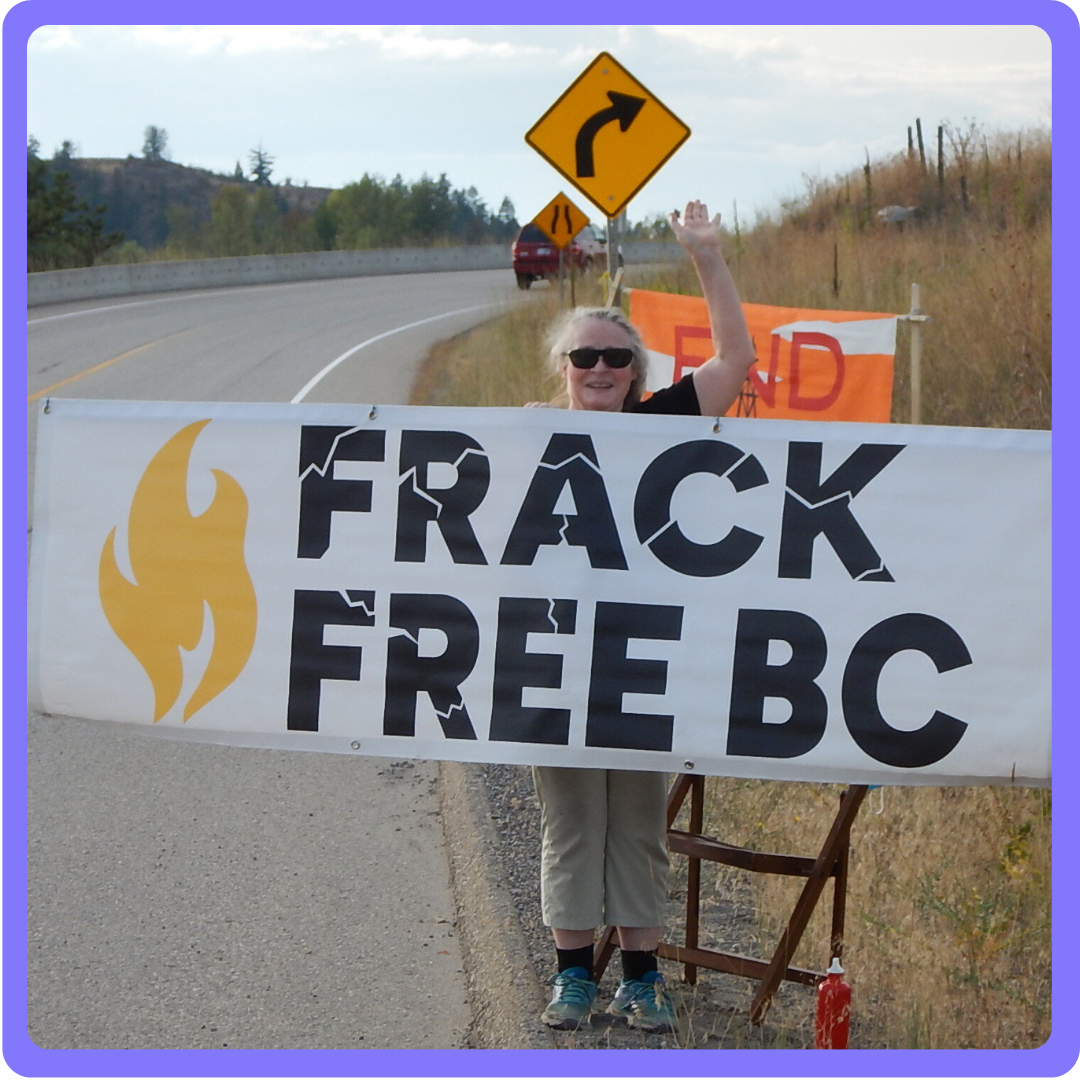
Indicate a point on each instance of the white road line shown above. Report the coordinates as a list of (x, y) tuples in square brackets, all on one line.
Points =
[(316, 379), (161, 300), (114, 307)]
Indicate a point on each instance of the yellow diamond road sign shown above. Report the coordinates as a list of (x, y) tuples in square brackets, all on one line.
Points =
[(561, 220), (607, 135)]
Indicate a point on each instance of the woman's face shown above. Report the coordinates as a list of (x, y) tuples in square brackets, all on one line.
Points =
[(599, 388)]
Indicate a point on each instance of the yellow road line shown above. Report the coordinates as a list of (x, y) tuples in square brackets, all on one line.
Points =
[(97, 367)]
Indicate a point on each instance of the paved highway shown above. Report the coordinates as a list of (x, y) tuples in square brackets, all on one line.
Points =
[(189, 896)]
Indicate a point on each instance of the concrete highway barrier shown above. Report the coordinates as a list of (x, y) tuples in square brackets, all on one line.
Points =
[(131, 279)]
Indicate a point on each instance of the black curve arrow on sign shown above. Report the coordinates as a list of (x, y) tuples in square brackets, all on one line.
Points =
[(623, 108)]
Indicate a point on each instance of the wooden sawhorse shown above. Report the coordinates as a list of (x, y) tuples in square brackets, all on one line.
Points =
[(831, 862)]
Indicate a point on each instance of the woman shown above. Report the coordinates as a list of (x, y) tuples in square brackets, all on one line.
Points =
[(604, 855)]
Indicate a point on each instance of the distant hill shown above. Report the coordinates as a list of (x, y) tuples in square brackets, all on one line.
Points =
[(154, 208), (142, 195)]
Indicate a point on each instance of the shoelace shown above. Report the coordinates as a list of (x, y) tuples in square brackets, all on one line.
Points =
[(655, 990), (573, 991)]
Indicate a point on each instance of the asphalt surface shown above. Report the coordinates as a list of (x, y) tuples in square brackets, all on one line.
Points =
[(194, 896)]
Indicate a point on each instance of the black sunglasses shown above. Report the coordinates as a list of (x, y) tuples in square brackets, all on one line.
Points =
[(587, 357)]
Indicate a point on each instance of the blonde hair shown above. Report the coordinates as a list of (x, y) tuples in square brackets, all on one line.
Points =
[(559, 335)]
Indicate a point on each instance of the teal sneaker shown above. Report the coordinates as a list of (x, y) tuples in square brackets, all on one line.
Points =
[(572, 1002), (646, 1005)]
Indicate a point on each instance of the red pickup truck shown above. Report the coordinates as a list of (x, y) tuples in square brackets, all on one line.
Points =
[(535, 256)]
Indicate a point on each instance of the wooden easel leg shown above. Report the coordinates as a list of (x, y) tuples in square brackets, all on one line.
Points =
[(677, 795), (693, 876), (835, 842), (603, 950), (836, 936)]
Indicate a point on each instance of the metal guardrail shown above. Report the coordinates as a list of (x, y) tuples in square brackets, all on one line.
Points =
[(131, 279)]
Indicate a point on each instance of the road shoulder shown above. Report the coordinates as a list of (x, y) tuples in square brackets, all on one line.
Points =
[(502, 986)]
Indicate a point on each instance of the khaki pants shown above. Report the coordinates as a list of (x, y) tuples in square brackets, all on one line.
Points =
[(604, 858)]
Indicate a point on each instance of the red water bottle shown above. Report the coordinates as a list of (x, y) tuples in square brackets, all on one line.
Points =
[(833, 1010)]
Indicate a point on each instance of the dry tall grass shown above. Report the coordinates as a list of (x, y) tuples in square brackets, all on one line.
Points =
[(984, 273), (948, 929)]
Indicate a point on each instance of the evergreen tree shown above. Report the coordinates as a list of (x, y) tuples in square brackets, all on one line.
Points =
[(506, 222), (61, 229), (429, 211), (261, 166), (154, 140), (325, 225)]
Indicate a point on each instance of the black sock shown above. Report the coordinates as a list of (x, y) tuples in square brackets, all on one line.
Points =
[(636, 964), (580, 958)]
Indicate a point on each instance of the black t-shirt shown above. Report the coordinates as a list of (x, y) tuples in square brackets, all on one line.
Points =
[(678, 400)]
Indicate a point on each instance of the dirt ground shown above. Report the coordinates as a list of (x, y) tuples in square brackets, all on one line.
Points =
[(714, 1012)]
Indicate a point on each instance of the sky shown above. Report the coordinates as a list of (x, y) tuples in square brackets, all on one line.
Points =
[(770, 108)]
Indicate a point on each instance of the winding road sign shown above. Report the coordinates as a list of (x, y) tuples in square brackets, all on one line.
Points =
[(607, 135), (561, 220)]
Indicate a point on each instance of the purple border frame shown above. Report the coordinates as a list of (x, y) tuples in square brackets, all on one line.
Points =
[(1056, 1057)]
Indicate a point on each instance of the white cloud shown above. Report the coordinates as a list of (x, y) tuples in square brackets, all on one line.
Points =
[(53, 37), (766, 104), (420, 43), (234, 40), (904, 55), (411, 43)]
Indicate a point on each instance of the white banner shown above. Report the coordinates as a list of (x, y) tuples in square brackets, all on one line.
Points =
[(779, 599)]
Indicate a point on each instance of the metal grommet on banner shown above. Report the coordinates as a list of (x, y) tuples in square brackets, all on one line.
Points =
[(355, 745), (716, 426), (688, 765), (374, 412), (47, 406)]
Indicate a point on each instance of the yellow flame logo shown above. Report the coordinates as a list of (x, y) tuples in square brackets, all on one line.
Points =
[(182, 564)]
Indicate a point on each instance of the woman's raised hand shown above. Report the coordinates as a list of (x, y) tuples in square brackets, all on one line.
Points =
[(696, 232)]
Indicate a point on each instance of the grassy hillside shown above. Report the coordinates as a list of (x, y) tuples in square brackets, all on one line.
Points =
[(146, 199), (948, 932), (162, 211), (978, 246)]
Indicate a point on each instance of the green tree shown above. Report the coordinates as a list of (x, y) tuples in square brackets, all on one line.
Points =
[(62, 157), (325, 225), (154, 140), (506, 222), (356, 215), (184, 240), (61, 229), (230, 222), (298, 231), (266, 233), (429, 210), (469, 222), (261, 166), (87, 236), (656, 227)]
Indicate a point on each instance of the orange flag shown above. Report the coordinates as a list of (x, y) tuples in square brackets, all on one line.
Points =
[(811, 365)]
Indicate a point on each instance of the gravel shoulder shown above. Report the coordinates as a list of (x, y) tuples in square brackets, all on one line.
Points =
[(492, 822)]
